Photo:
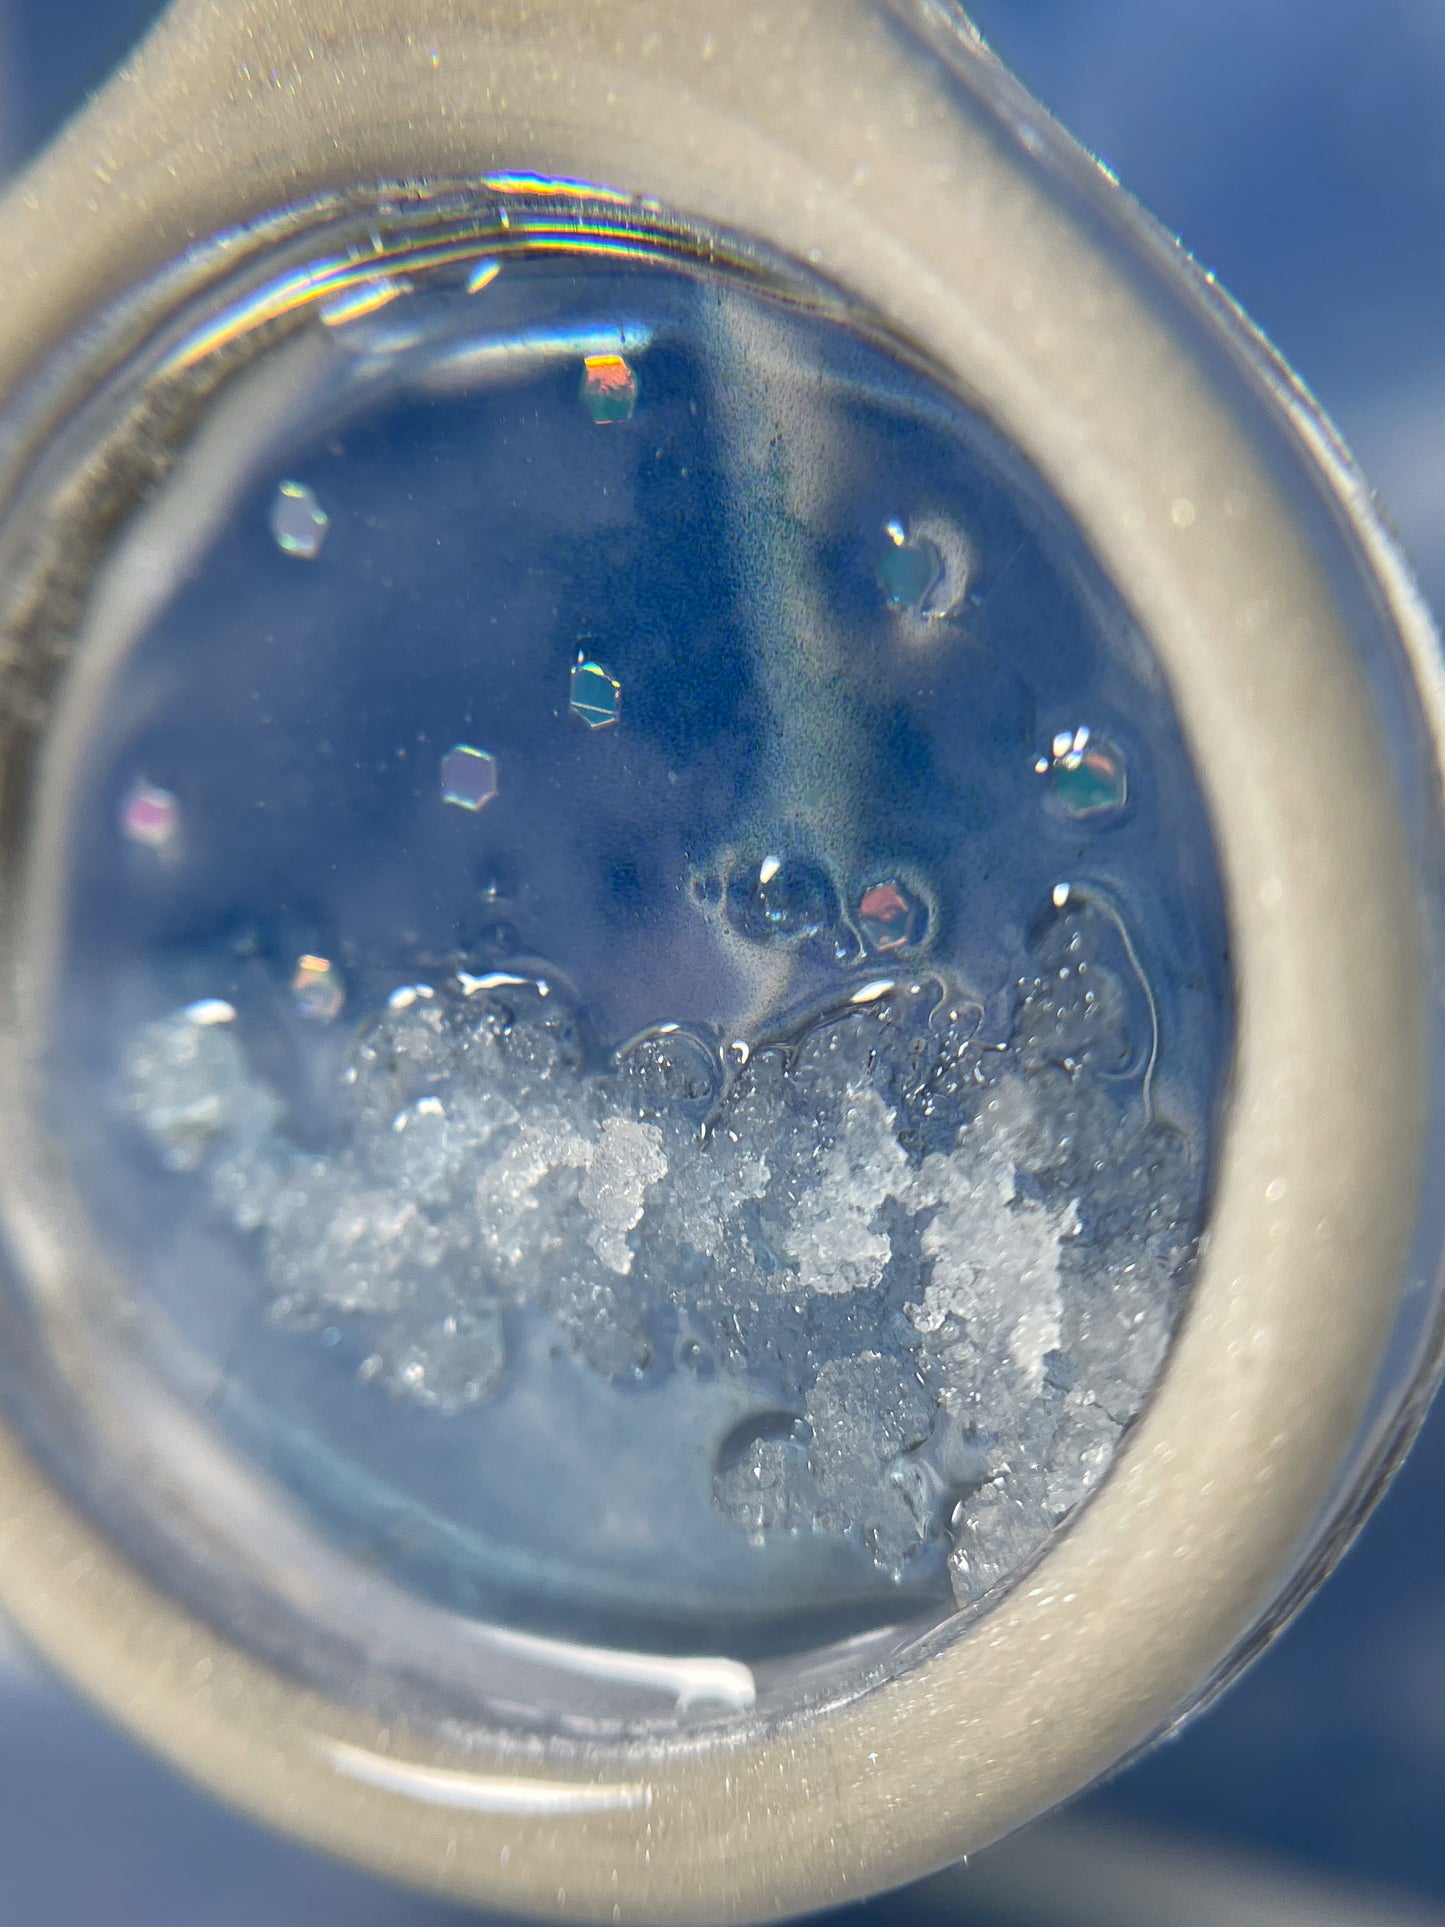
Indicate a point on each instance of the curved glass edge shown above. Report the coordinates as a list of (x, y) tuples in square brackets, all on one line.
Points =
[(1404, 662)]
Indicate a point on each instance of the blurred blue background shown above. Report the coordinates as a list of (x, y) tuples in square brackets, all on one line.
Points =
[(1298, 147)]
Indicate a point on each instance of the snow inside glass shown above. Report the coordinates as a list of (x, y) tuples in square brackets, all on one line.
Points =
[(643, 977)]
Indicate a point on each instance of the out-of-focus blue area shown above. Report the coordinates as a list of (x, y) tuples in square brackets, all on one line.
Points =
[(1298, 146)]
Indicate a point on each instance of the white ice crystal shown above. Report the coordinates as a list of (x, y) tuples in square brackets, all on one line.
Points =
[(948, 1274), (995, 1253), (623, 1164), (833, 1242)]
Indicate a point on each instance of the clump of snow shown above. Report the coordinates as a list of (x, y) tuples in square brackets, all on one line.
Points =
[(947, 1268)]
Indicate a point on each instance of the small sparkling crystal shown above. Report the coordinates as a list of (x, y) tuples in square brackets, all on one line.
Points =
[(469, 777), (596, 696), (609, 388), (150, 816), (298, 521), (317, 989)]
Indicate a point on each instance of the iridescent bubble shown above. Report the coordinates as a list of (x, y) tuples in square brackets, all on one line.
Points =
[(298, 521), (609, 388), (317, 989), (1087, 775), (596, 695), (469, 777), (780, 900), (890, 917), (149, 815)]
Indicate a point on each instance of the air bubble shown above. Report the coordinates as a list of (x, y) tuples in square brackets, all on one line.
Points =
[(671, 1070)]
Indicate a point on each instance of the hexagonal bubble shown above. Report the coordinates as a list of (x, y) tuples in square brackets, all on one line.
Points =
[(596, 696), (1088, 776), (739, 1192), (609, 388), (469, 777), (891, 916)]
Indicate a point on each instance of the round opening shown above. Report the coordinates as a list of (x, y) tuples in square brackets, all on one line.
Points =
[(628, 969)]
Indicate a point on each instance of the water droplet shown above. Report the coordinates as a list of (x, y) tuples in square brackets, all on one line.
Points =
[(150, 816), (1087, 775), (298, 521), (317, 989), (890, 917), (609, 388), (595, 695), (780, 900), (468, 776)]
